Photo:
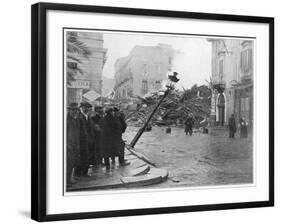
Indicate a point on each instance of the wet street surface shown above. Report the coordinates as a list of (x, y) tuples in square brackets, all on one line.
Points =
[(197, 160)]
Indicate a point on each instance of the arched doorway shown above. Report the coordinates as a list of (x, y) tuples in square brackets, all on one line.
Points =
[(221, 109)]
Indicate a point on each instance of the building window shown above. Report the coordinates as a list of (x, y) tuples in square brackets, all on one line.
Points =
[(159, 68), (130, 92), (170, 61), (144, 69), (72, 65), (144, 87), (221, 68), (157, 85), (244, 107), (124, 93), (246, 60)]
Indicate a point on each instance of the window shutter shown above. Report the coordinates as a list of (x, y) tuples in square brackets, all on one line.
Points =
[(250, 59), (241, 60)]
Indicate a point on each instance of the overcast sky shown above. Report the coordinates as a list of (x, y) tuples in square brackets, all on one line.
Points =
[(192, 62)]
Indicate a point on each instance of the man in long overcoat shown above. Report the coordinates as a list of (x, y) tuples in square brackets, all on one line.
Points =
[(189, 125), (232, 126), (86, 137), (110, 136), (120, 116), (73, 141), (96, 151)]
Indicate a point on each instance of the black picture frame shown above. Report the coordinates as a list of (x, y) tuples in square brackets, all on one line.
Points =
[(38, 108)]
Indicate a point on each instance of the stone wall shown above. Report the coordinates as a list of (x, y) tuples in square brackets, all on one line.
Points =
[(89, 68)]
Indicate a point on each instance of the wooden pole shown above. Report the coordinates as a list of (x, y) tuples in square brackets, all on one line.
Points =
[(142, 129)]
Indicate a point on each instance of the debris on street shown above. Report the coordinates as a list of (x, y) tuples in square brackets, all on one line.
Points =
[(174, 109)]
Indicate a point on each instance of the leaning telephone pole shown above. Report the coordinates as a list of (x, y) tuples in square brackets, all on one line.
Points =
[(170, 87)]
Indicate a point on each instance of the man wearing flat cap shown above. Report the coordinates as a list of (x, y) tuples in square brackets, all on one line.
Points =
[(86, 137)]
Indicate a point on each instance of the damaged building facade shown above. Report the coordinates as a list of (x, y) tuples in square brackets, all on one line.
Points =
[(87, 80), (232, 80), (142, 71)]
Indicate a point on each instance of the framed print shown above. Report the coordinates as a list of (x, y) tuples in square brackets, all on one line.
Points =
[(138, 111)]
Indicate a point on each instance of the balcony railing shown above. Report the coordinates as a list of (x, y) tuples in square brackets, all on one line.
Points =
[(246, 77)]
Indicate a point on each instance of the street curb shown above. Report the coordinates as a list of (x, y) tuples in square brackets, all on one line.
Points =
[(143, 174), (140, 156)]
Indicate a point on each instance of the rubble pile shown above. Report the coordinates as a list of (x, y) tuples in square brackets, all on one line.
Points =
[(175, 107)]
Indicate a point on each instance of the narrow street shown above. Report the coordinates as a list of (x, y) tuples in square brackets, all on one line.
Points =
[(197, 160)]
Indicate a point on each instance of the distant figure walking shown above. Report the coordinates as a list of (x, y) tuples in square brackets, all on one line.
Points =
[(243, 128), (189, 125), (232, 126)]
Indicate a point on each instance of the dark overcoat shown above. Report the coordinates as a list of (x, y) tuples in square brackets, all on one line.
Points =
[(232, 124), (96, 152), (231, 127), (73, 144), (86, 139), (188, 124), (111, 136), (123, 124)]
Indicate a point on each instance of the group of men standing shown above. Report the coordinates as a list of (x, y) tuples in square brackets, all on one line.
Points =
[(94, 137), (232, 127)]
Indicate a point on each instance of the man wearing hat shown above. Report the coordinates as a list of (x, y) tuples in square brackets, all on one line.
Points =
[(109, 136), (120, 117), (96, 157), (73, 141), (86, 137)]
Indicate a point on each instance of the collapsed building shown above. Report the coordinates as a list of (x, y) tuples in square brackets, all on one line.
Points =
[(174, 109)]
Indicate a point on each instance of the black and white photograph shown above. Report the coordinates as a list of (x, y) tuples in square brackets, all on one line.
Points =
[(146, 110), (142, 111)]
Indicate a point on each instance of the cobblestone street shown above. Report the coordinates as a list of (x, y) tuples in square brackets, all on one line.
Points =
[(198, 160)]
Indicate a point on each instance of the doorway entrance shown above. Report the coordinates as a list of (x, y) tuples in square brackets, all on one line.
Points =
[(221, 109)]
